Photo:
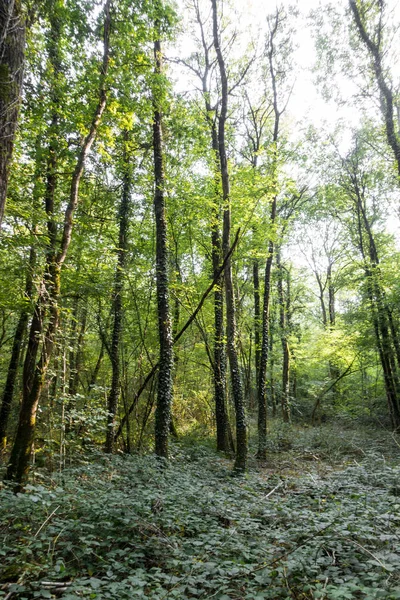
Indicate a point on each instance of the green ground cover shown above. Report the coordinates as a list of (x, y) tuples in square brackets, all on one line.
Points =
[(320, 519)]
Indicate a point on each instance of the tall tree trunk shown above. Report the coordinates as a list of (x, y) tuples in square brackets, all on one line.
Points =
[(164, 390), (113, 396), (262, 376), (237, 387), (219, 365), (377, 55), (378, 313), (12, 58), (285, 401), (257, 316), (20, 331), (219, 354), (35, 373), (265, 325)]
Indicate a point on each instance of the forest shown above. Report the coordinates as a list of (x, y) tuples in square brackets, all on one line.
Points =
[(199, 309)]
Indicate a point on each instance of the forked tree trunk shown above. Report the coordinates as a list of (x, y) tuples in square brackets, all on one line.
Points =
[(237, 386), (12, 57), (166, 362)]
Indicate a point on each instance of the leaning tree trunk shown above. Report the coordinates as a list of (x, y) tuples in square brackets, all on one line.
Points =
[(35, 372), (237, 387), (387, 100), (113, 396), (166, 363), (12, 57)]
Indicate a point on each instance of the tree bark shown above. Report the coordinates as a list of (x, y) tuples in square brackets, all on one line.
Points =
[(123, 214), (219, 354), (262, 376), (285, 400), (20, 331), (386, 93), (237, 386), (166, 362), (12, 58)]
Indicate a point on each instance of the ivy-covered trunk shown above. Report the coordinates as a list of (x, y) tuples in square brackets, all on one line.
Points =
[(262, 375), (285, 400), (12, 57), (219, 365), (117, 308), (166, 363), (237, 386)]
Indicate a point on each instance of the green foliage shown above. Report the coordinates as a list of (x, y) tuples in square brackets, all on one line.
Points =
[(127, 527)]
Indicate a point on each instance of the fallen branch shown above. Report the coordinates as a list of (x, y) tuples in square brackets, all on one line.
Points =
[(328, 389)]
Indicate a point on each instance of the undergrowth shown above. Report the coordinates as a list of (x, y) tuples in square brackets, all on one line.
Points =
[(321, 519)]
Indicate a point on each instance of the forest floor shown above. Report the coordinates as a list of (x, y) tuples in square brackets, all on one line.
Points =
[(320, 519)]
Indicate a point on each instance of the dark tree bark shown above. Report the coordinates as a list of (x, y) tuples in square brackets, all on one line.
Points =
[(20, 331), (262, 376), (35, 371), (219, 354), (285, 400), (166, 362), (95, 374), (76, 354), (117, 308), (237, 386), (257, 316), (378, 307), (178, 336), (374, 46), (12, 58)]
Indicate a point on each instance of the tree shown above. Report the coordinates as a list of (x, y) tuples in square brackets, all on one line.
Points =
[(166, 362), (12, 56), (237, 386), (371, 31), (35, 371)]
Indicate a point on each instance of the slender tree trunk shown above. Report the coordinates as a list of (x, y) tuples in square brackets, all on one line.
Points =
[(164, 390), (386, 94), (12, 58), (219, 365), (257, 316), (96, 370), (219, 358), (20, 331), (237, 386), (123, 213), (378, 313), (262, 377), (285, 401), (76, 358)]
